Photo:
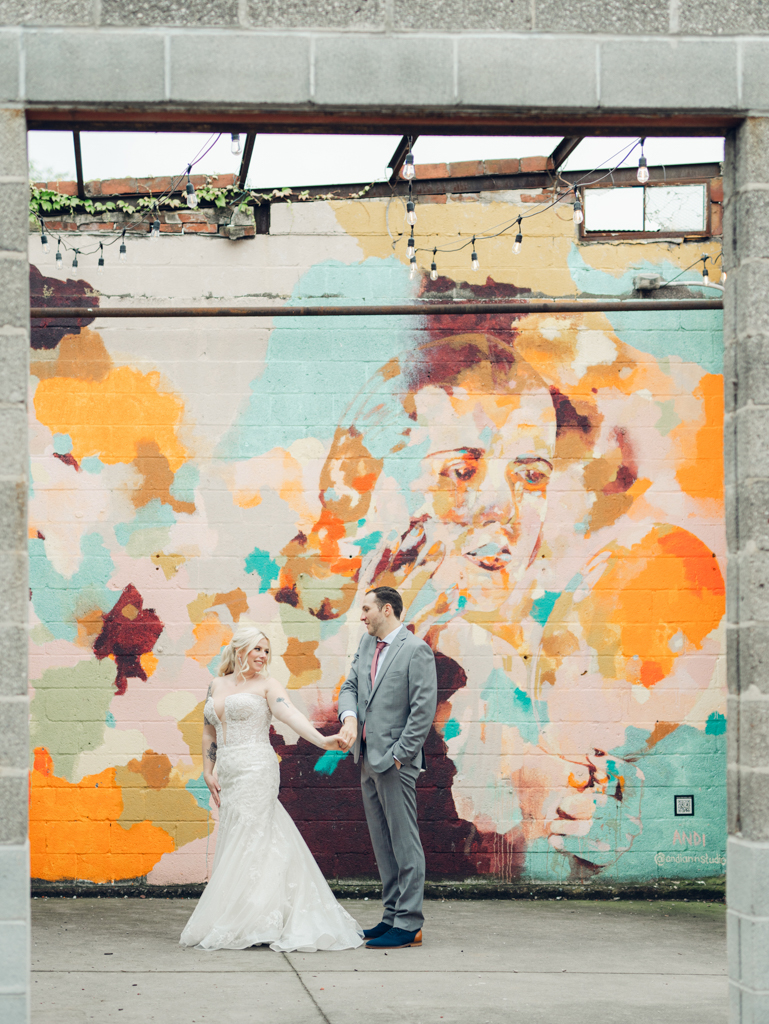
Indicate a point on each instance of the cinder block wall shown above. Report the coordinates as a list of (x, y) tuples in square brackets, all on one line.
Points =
[(545, 491)]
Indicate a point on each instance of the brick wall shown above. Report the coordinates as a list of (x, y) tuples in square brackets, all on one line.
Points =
[(188, 475)]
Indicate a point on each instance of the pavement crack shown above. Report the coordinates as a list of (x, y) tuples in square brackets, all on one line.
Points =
[(314, 1001)]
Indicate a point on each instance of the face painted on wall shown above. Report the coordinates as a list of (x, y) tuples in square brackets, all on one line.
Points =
[(484, 481)]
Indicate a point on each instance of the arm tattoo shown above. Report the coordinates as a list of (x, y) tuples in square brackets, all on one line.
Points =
[(211, 755), (282, 700)]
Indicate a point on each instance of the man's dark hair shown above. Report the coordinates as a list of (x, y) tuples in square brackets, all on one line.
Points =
[(386, 595)]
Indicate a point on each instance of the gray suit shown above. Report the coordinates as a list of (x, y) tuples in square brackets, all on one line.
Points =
[(397, 716)]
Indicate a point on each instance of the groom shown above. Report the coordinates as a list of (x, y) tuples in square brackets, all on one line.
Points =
[(386, 706)]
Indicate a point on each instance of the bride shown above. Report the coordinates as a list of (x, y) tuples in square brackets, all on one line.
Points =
[(265, 886)]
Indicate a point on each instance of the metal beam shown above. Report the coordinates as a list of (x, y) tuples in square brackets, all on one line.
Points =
[(413, 309), (245, 163), (350, 122), (564, 149), (78, 165), (396, 160)]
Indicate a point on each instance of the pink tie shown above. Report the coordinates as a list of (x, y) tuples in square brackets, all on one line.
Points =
[(380, 645)]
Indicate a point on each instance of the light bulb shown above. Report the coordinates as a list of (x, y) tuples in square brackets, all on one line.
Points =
[(476, 263), (44, 242), (122, 257), (74, 259), (155, 232), (578, 216), (59, 260), (409, 171), (410, 247), (517, 243), (235, 144), (411, 217), (643, 171), (705, 277), (723, 277), (100, 264), (433, 271), (192, 199), (413, 268)]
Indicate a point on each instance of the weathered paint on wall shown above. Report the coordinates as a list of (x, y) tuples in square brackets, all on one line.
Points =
[(546, 491)]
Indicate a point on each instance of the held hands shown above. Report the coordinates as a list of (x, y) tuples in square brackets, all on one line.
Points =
[(334, 742), (348, 733)]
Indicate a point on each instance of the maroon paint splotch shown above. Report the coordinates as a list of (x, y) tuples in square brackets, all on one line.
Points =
[(129, 631), (51, 291)]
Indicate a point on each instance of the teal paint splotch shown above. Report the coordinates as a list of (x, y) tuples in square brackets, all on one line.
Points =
[(62, 444), (507, 704), (716, 724), (327, 763), (261, 563), (110, 720), (59, 600), (314, 368), (695, 336), (186, 479), (543, 606), (92, 464), (151, 516), (200, 791), (369, 542), (451, 729)]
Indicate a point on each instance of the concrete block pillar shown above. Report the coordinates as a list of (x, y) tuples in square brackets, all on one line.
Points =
[(14, 730), (746, 378)]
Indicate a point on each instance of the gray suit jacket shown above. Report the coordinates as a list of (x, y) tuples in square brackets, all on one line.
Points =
[(399, 713)]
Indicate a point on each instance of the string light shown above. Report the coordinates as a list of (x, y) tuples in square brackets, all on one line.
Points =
[(192, 198), (74, 258), (122, 255), (518, 240), (643, 168), (723, 277), (474, 257), (235, 144), (705, 275), (410, 246), (100, 262), (59, 258), (434, 268), (413, 268), (409, 171), (411, 216), (44, 239), (578, 215)]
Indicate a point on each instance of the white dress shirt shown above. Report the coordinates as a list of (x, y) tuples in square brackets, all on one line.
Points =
[(382, 657)]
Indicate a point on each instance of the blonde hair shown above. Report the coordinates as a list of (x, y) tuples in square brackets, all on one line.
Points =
[(244, 640)]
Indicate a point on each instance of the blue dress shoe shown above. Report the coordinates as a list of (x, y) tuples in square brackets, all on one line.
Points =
[(396, 938), (374, 933)]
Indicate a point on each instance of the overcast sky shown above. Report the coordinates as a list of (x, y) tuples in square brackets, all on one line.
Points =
[(281, 160)]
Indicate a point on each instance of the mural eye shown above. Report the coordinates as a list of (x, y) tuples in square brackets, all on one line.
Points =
[(462, 471)]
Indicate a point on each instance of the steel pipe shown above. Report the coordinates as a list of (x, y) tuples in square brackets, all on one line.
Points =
[(412, 309)]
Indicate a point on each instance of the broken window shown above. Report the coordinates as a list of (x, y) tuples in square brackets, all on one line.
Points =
[(680, 209)]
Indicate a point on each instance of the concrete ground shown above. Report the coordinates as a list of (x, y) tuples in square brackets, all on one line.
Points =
[(482, 962)]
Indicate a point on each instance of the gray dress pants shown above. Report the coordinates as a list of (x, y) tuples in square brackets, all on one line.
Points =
[(390, 802)]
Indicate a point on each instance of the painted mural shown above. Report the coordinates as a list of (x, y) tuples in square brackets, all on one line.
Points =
[(545, 491)]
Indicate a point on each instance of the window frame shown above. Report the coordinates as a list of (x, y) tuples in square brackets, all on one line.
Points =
[(586, 235)]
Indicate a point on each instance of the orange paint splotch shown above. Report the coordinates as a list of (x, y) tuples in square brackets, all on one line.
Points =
[(700, 471), (149, 662), (113, 417), (210, 636), (653, 601), (75, 833)]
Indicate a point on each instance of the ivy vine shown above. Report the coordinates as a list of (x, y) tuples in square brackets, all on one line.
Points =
[(44, 201)]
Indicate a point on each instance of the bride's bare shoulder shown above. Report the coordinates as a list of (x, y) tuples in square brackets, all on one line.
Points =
[(214, 685)]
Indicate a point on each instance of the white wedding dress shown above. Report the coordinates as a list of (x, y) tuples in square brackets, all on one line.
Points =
[(265, 886)]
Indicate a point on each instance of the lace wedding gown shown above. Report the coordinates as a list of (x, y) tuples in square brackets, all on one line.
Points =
[(265, 886)]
